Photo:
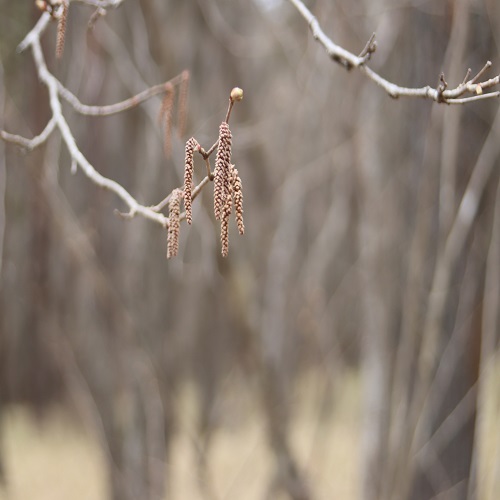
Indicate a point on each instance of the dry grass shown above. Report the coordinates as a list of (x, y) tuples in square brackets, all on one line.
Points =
[(50, 460), (489, 458), (57, 460)]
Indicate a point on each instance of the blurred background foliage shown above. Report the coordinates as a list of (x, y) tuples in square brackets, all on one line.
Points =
[(291, 368)]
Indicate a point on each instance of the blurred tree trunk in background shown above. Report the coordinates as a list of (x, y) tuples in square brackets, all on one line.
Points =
[(359, 254)]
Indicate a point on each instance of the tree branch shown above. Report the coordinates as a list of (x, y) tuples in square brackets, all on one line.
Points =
[(57, 90), (350, 60), (111, 109), (33, 40), (30, 144)]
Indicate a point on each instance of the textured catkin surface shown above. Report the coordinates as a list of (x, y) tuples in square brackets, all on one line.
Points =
[(222, 166), (174, 210), (238, 201), (191, 144), (61, 29)]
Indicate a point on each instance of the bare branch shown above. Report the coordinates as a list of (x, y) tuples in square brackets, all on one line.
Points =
[(196, 191), (30, 144), (111, 109), (35, 33), (57, 9), (54, 87), (480, 97), (485, 68), (350, 60)]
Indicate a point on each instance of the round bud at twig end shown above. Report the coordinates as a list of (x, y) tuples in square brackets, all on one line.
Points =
[(236, 94)]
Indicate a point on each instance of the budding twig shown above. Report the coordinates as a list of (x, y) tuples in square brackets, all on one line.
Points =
[(119, 107), (57, 91)]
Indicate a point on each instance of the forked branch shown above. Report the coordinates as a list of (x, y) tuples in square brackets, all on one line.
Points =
[(441, 94), (58, 91)]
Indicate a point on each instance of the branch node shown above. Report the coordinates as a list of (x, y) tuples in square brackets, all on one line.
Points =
[(126, 215), (342, 61), (368, 50), (481, 72), (442, 86)]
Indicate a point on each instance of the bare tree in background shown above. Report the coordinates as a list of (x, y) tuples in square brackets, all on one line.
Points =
[(371, 229)]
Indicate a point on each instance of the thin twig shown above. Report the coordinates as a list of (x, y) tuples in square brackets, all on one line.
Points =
[(119, 106), (30, 144), (209, 171), (466, 100), (229, 108), (467, 75), (206, 154), (485, 68), (196, 191)]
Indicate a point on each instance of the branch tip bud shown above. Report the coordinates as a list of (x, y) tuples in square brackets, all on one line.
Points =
[(236, 94)]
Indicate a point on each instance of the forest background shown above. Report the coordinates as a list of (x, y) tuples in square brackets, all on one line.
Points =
[(346, 348)]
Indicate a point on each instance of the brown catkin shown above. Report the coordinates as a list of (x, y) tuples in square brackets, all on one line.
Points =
[(174, 212), (222, 169), (238, 201), (182, 103), (61, 28), (218, 191), (224, 225), (165, 116), (191, 145)]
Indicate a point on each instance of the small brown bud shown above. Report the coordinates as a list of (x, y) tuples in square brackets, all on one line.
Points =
[(236, 94), (41, 4)]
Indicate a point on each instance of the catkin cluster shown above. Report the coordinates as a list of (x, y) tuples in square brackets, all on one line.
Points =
[(228, 192), (227, 188)]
